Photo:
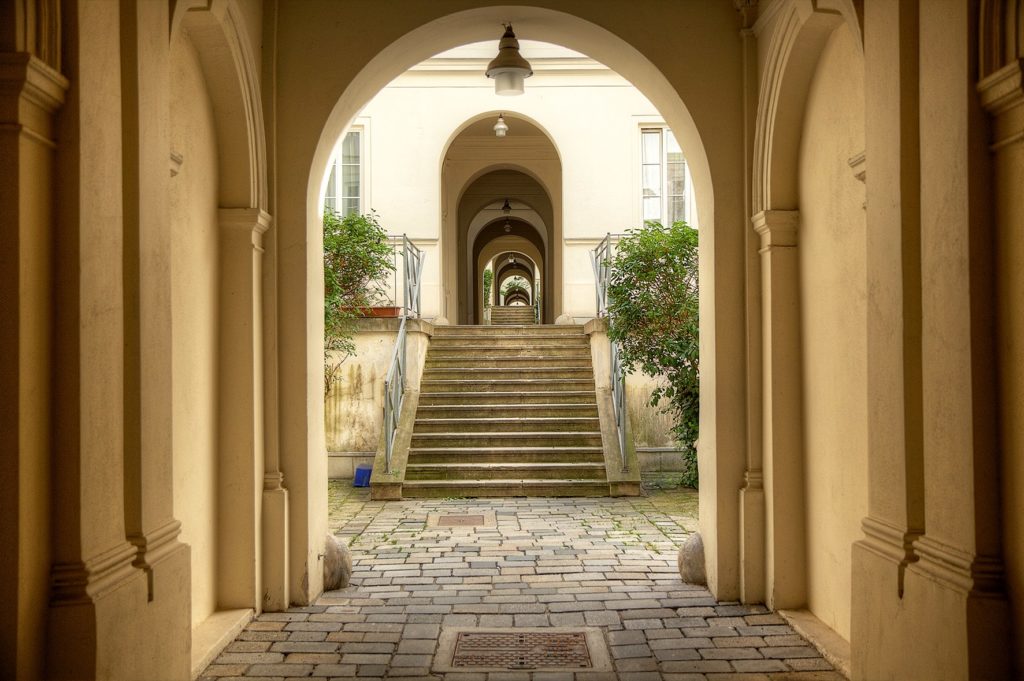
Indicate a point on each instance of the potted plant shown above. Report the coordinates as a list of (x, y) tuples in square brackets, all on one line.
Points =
[(357, 260)]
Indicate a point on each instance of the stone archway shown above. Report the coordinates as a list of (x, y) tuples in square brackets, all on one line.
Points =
[(425, 30)]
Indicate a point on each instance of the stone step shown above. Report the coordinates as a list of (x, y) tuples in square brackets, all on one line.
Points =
[(525, 439), (459, 361), (505, 471), (473, 411), (506, 454), (456, 343), (506, 373), (514, 424), (504, 488), (512, 321), (435, 385), (468, 348), (480, 398), (538, 330)]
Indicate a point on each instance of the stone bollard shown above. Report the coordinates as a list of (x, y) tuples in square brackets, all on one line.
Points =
[(691, 560), (337, 564)]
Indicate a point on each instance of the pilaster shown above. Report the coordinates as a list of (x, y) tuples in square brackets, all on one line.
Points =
[(149, 506), (957, 578), (751, 499), (241, 465), (1002, 96), (785, 536), (98, 605), (31, 93)]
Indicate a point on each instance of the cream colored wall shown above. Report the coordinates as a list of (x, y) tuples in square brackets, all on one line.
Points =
[(650, 426), (832, 277), (353, 411), (600, 182), (193, 205)]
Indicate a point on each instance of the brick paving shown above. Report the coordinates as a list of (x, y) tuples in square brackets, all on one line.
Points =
[(598, 562)]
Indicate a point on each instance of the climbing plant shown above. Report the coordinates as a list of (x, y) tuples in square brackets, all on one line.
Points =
[(357, 260), (488, 282), (653, 306)]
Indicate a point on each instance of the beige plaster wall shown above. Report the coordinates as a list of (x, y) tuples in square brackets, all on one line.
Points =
[(832, 276), (650, 427), (353, 411), (193, 205)]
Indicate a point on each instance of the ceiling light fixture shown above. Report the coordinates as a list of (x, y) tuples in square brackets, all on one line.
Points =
[(506, 208), (500, 128), (509, 69)]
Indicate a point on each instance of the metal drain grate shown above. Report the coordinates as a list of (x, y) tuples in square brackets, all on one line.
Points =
[(521, 650), (460, 521)]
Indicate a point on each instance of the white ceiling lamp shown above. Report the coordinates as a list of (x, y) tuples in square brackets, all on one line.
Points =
[(509, 69), (500, 128)]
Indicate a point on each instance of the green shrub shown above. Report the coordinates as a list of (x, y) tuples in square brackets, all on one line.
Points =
[(488, 282), (357, 261), (653, 305)]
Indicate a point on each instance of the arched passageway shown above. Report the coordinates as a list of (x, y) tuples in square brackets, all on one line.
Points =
[(335, 105)]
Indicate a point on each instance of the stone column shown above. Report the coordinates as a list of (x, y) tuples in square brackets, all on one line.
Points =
[(149, 502), (785, 550), (31, 92), (244, 481)]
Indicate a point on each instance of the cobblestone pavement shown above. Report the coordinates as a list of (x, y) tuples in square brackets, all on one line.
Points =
[(604, 563)]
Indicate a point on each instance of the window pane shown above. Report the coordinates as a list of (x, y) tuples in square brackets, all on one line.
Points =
[(331, 193), (676, 208), (350, 206), (350, 180), (672, 149), (676, 178), (651, 143), (652, 180), (350, 148), (652, 208)]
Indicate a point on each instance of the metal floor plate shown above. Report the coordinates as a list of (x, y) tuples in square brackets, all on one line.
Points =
[(460, 521), (468, 649)]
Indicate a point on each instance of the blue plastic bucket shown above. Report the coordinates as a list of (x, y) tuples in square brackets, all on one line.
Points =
[(362, 476)]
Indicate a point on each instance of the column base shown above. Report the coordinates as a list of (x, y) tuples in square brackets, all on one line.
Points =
[(939, 628), (275, 549)]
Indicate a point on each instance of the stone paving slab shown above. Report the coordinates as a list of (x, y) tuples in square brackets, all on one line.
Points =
[(585, 562)]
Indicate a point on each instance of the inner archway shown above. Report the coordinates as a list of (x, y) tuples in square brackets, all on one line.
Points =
[(480, 174), (482, 234)]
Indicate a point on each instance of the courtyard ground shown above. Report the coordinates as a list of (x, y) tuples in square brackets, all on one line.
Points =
[(428, 572)]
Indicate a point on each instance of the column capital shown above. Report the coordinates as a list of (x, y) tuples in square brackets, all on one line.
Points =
[(777, 228), (37, 81), (1003, 89), (1002, 97), (255, 219)]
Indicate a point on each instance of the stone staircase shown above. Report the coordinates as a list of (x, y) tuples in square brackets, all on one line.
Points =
[(512, 315), (507, 410)]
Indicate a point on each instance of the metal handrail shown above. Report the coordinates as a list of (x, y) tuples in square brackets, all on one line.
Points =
[(601, 259), (394, 382)]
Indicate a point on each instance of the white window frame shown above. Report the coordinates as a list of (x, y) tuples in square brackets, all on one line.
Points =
[(362, 127), (689, 206)]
